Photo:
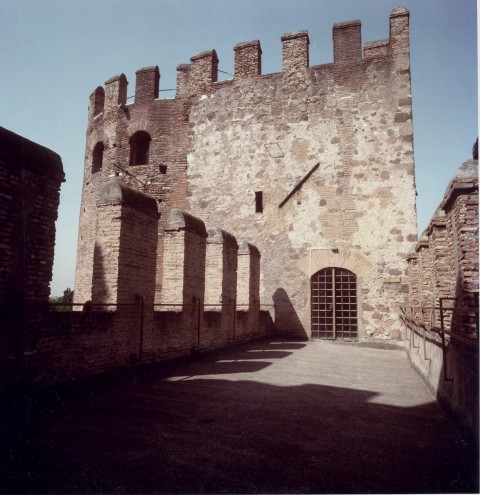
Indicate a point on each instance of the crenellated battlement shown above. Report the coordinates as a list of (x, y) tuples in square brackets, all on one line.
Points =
[(295, 53), (200, 76), (97, 102), (147, 84), (248, 59), (115, 92), (347, 42)]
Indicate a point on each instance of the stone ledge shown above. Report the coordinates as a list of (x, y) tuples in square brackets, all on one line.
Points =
[(294, 35), (347, 24), (181, 220), (219, 236), (116, 192)]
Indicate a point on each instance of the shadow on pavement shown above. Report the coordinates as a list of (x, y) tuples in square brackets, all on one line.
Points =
[(179, 431)]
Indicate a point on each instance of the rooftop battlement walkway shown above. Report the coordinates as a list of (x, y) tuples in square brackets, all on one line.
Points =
[(267, 417)]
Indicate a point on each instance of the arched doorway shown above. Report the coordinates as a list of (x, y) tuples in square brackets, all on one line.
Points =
[(334, 304)]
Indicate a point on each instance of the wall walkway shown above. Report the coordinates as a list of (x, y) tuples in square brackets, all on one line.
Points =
[(267, 417)]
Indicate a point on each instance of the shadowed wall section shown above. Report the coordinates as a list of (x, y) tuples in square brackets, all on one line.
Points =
[(30, 179)]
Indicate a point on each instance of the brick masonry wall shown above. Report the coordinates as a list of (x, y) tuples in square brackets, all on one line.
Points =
[(105, 262), (221, 282), (184, 273), (245, 283), (125, 248), (347, 42), (30, 179), (147, 85), (112, 122), (465, 219), (446, 259), (29, 211), (173, 273), (184, 270), (248, 289), (76, 345), (446, 265)]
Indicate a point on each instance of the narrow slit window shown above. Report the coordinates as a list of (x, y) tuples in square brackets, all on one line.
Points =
[(258, 201)]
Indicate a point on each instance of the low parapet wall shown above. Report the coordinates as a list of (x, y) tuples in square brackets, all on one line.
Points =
[(73, 346), (441, 314), (210, 296)]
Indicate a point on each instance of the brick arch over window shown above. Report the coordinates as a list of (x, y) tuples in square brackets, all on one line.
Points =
[(140, 148), (353, 261), (97, 157), (153, 128)]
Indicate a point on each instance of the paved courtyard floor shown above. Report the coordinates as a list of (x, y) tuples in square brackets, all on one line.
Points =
[(268, 417)]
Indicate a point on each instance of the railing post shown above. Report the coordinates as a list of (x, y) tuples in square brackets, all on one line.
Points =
[(199, 302), (409, 326), (234, 317), (142, 305), (444, 349), (425, 347)]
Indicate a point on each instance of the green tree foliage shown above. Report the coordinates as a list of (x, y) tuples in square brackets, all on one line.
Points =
[(63, 303)]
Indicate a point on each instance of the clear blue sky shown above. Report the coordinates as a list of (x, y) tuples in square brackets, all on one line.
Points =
[(56, 52)]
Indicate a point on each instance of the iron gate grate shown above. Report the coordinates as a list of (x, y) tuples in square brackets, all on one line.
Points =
[(334, 304)]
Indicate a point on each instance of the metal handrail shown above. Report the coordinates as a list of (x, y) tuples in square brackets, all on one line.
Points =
[(413, 324), (465, 310), (439, 330)]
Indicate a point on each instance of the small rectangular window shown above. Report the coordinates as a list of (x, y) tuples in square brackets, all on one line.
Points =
[(258, 201)]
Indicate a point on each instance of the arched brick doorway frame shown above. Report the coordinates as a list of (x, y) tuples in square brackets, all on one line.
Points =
[(353, 261)]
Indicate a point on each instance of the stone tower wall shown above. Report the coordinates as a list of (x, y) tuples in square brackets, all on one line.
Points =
[(330, 148)]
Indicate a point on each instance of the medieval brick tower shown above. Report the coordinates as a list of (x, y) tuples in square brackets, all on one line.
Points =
[(313, 165)]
